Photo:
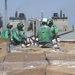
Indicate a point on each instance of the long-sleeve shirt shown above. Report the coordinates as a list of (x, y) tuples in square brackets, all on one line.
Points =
[(6, 33), (17, 34), (44, 34)]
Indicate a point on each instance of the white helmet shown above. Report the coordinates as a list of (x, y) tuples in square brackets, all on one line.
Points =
[(44, 20)]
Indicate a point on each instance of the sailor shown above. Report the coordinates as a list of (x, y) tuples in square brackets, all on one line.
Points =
[(44, 34), (6, 33), (19, 35), (55, 31)]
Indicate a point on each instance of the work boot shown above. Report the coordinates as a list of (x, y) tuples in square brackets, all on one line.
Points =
[(23, 46), (58, 50)]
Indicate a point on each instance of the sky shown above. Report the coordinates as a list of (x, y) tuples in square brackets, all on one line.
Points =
[(33, 8)]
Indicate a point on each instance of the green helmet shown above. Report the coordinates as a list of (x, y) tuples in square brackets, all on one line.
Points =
[(9, 25), (50, 21), (20, 26)]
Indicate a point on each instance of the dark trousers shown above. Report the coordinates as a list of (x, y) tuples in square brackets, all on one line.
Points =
[(16, 42)]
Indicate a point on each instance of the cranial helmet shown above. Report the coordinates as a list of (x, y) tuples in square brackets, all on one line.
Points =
[(50, 21), (20, 26), (44, 20), (9, 25)]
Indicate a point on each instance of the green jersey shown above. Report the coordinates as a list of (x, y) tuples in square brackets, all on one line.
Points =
[(6, 33), (44, 34), (54, 29), (17, 34)]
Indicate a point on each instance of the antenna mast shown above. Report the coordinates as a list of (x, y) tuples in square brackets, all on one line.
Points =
[(6, 19)]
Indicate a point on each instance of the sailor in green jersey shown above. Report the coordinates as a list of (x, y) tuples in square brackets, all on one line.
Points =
[(44, 34), (19, 35), (54, 30), (6, 33), (53, 27)]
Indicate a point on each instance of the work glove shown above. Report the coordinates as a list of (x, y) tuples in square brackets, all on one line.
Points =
[(58, 39), (54, 37)]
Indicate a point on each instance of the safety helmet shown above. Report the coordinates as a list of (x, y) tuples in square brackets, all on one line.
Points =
[(50, 21), (9, 25), (20, 25), (44, 20)]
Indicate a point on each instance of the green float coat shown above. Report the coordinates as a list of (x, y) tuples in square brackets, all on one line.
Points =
[(6, 33), (44, 34), (55, 29), (17, 34)]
